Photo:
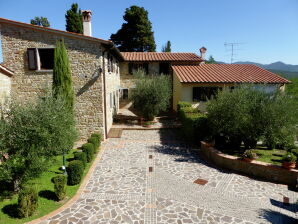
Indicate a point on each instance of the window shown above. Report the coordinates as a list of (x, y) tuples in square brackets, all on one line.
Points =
[(40, 58), (110, 63), (124, 94), (164, 68), (137, 66), (204, 93)]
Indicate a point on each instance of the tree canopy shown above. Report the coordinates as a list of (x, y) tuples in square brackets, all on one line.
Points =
[(211, 60), (74, 19), (136, 34), (167, 47), (40, 21)]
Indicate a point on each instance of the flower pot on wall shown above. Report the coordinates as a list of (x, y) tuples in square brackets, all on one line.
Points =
[(248, 160), (289, 165)]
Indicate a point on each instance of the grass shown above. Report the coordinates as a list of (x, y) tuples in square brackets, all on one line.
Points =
[(273, 156), (46, 200)]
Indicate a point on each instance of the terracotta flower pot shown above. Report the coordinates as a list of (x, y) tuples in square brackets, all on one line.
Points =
[(289, 165), (248, 159)]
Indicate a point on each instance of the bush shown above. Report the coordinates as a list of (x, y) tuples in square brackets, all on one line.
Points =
[(95, 142), (247, 114), (98, 136), (27, 202), (82, 157), (75, 172), (183, 104), (60, 182), (195, 125), (289, 157), (151, 95), (88, 148)]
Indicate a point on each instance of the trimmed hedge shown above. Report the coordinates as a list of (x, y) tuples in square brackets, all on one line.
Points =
[(195, 125), (95, 142), (88, 148), (75, 172), (182, 104), (27, 202), (97, 135), (82, 157), (60, 182)]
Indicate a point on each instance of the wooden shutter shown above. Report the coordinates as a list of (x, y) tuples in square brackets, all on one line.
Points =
[(32, 58)]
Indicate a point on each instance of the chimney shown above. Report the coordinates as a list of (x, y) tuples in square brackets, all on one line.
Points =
[(87, 22), (203, 52)]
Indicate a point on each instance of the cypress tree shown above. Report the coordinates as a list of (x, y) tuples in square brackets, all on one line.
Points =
[(74, 19), (62, 79), (136, 34), (167, 47)]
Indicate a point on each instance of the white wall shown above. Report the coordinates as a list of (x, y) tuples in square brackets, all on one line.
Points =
[(5, 89)]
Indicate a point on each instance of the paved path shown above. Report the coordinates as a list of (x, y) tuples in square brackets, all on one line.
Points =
[(123, 190)]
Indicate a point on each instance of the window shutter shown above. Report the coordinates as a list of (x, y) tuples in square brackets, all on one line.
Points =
[(32, 58)]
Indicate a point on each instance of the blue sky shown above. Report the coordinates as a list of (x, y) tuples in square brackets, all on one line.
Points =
[(267, 29)]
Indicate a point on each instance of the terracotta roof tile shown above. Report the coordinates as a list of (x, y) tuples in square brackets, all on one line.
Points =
[(160, 56), (5, 70), (225, 73)]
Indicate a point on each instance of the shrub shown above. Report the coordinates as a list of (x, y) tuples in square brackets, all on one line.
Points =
[(82, 157), (183, 104), (75, 172), (249, 154), (88, 148), (151, 95), (60, 182), (289, 157), (98, 136), (27, 202), (95, 142)]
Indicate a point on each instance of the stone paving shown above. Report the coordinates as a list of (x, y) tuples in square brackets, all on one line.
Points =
[(146, 177)]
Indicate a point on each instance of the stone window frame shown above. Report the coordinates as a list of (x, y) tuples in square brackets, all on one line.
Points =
[(34, 62)]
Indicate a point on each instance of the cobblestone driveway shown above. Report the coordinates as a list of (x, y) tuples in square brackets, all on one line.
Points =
[(123, 189)]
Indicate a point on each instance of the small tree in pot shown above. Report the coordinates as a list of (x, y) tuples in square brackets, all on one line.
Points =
[(289, 161)]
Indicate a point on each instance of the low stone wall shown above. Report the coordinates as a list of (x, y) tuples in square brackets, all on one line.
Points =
[(263, 170)]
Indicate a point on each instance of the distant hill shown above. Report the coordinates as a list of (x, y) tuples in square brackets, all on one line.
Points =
[(274, 66), (286, 70)]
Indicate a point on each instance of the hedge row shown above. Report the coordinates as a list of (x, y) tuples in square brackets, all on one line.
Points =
[(194, 123)]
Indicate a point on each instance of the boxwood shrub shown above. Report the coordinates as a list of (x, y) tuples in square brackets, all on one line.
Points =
[(82, 157), (75, 172), (27, 202), (60, 182), (95, 142), (88, 148)]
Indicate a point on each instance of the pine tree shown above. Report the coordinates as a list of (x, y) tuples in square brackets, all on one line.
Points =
[(167, 47), (62, 79), (74, 19), (40, 21), (136, 34)]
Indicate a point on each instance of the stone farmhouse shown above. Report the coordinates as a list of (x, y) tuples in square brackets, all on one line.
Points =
[(102, 76)]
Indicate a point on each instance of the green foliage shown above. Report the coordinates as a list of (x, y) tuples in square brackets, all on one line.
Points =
[(82, 157), (40, 21), (60, 182), (95, 142), (289, 157), (250, 154), (136, 34), (31, 135), (211, 60), (62, 79), (248, 114), (74, 19), (182, 104), (27, 202), (151, 95), (195, 126), (167, 47), (88, 148), (75, 172), (97, 135)]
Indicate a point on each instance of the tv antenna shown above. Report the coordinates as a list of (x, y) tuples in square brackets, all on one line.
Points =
[(232, 49)]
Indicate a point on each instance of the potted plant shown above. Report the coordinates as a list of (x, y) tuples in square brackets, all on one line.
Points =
[(148, 124), (249, 155), (289, 161)]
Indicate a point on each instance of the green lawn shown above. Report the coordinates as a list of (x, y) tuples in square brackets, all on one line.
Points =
[(46, 194), (273, 156)]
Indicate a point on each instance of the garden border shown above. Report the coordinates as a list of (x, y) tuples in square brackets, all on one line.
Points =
[(259, 169), (79, 191)]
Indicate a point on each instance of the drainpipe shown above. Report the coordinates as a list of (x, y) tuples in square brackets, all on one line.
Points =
[(104, 92)]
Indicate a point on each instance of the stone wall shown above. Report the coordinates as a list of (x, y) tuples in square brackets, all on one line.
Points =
[(263, 170), (85, 61), (5, 87)]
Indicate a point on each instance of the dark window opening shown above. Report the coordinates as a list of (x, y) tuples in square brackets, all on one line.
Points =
[(46, 57), (132, 67), (164, 68), (124, 94), (204, 93)]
